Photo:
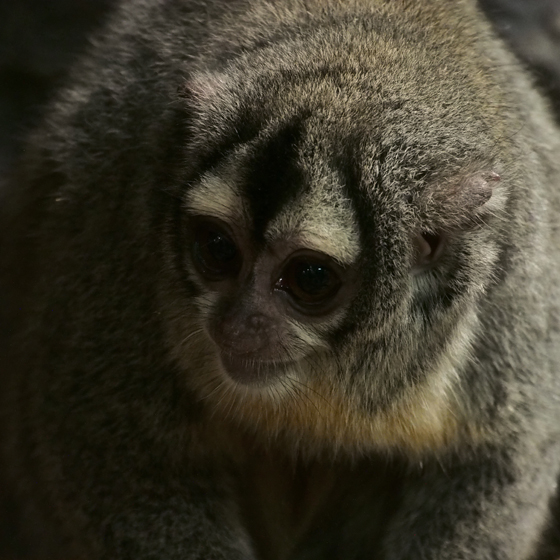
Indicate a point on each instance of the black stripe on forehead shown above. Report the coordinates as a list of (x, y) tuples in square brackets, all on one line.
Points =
[(351, 169), (378, 219), (272, 175)]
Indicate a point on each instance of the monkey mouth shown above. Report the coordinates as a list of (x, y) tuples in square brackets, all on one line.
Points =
[(247, 370)]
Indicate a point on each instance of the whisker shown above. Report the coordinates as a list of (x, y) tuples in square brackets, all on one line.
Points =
[(294, 380), (190, 335), (309, 399), (293, 394), (221, 383)]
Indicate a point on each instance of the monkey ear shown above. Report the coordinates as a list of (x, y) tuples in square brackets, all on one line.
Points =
[(475, 190), (428, 247), (461, 202), (454, 205)]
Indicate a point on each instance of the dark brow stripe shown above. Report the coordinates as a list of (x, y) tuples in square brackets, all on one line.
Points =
[(272, 174)]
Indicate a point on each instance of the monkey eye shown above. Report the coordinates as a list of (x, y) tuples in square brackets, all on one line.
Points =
[(311, 281), (428, 247), (214, 252)]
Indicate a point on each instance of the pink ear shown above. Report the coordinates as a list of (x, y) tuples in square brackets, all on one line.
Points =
[(459, 201), (476, 189), (429, 247)]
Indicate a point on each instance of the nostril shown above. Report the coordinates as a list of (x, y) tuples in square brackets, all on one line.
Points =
[(257, 322), (242, 335), (234, 327)]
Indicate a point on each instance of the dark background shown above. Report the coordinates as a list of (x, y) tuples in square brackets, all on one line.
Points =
[(39, 39)]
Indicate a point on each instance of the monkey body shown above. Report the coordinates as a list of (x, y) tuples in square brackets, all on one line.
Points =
[(279, 282)]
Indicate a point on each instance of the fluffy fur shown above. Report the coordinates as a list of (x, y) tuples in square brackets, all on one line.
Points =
[(419, 417)]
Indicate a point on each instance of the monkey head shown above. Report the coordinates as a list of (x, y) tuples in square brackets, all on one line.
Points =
[(333, 237)]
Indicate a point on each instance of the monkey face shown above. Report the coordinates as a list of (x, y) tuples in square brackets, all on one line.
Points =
[(333, 263), (265, 308), (268, 297)]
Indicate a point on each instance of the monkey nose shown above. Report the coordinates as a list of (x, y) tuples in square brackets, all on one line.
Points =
[(248, 335)]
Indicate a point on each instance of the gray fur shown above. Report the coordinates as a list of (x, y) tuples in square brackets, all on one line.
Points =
[(419, 420)]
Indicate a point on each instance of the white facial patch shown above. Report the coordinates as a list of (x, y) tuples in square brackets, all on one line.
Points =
[(321, 219), (216, 197)]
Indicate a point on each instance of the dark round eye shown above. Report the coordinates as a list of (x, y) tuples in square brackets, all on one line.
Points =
[(215, 254), (310, 282)]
